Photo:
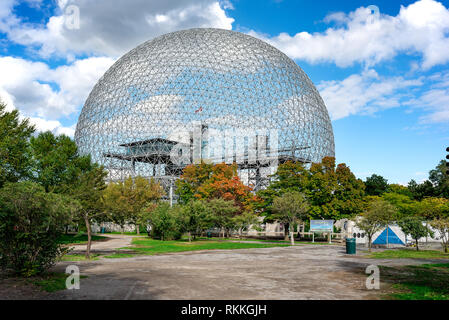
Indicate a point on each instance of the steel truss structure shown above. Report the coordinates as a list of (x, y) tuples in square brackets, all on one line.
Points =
[(203, 94)]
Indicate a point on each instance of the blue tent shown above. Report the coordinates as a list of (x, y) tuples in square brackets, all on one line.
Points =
[(392, 238)]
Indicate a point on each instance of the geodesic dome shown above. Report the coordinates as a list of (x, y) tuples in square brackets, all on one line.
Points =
[(203, 95)]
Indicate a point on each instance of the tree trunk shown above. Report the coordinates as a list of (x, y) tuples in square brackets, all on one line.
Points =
[(286, 229), (89, 236), (369, 244), (190, 236), (417, 245), (138, 229), (292, 239)]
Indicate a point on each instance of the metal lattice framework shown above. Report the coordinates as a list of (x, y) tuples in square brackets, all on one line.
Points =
[(203, 94)]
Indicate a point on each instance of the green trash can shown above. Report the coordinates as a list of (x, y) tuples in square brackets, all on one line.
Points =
[(103, 229), (209, 235), (350, 246)]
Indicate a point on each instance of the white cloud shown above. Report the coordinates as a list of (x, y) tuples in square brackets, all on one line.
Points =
[(52, 125), (112, 27), (37, 90), (422, 28), (434, 100), (364, 93)]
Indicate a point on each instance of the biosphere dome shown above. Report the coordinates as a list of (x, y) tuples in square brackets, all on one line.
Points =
[(203, 95)]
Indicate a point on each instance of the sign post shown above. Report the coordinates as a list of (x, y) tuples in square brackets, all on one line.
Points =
[(323, 226)]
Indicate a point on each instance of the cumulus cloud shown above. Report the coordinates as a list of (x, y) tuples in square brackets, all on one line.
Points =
[(43, 94), (434, 100), (111, 27), (364, 93), (52, 125), (358, 37), (37, 90)]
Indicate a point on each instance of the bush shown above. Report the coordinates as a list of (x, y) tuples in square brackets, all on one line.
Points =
[(165, 222), (31, 221)]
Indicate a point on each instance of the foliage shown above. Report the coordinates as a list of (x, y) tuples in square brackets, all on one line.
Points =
[(165, 222), (406, 205), (433, 208), (31, 222), (440, 179), (243, 221), (376, 185), (290, 176), (55, 161), (220, 181), (400, 189), (421, 190), (222, 213), (290, 208), (442, 225), (14, 147), (125, 201), (414, 227), (196, 216), (87, 190), (333, 191), (379, 214)]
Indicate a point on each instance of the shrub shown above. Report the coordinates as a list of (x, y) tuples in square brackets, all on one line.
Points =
[(165, 222), (31, 221)]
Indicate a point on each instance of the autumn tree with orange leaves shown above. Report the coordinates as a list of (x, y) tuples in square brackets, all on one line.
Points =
[(206, 181)]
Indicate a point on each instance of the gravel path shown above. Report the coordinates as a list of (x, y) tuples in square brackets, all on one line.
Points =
[(299, 272)]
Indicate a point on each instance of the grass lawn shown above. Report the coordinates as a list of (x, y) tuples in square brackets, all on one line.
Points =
[(424, 282), (51, 281), (265, 240), (408, 253), (79, 257), (149, 246), (77, 238)]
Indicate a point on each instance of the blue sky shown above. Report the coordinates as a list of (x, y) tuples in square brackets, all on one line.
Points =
[(384, 75)]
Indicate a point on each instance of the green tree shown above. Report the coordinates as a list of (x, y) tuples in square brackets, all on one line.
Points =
[(289, 176), (376, 185), (244, 221), (31, 221), (414, 227), (87, 190), (55, 161), (192, 178), (290, 208), (125, 200), (421, 190), (378, 215), (406, 206), (440, 179), (165, 221), (196, 217), (222, 212), (333, 191), (14, 146), (442, 225)]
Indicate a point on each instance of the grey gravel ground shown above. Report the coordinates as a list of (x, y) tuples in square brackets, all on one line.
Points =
[(300, 272)]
